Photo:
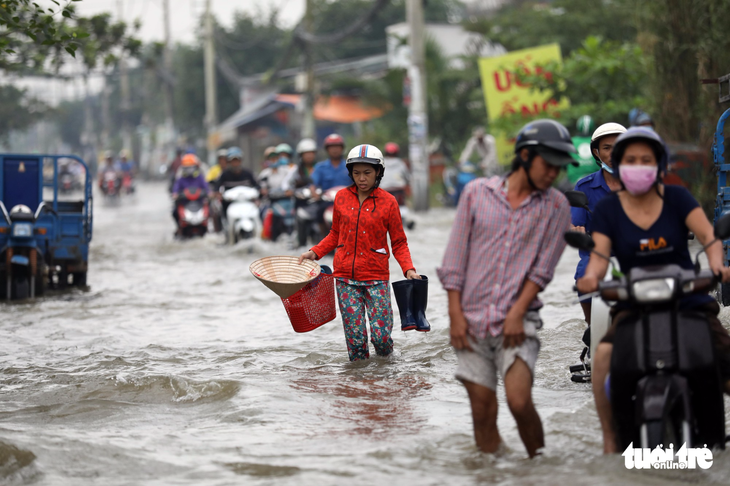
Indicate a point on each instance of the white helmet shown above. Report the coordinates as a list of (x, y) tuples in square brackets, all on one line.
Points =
[(602, 131), (306, 145), (365, 154)]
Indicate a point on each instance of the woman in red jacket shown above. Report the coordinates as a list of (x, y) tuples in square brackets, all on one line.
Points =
[(363, 216)]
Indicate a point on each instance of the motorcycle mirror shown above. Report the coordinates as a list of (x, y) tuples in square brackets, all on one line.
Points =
[(581, 241), (722, 227), (577, 199)]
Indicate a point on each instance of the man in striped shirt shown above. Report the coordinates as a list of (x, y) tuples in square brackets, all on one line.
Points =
[(504, 245)]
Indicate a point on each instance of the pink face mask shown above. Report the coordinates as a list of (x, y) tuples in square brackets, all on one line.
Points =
[(638, 179)]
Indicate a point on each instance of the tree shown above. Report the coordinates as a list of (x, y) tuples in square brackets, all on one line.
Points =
[(519, 25), (30, 34), (17, 110), (603, 79)]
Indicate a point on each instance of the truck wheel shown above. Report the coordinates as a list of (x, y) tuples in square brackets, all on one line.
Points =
[(79, 279), (21, 287)]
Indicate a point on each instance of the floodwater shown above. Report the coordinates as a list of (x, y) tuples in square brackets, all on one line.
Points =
[(178, 367)]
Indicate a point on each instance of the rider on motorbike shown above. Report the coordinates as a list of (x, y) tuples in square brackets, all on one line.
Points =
[(109, 167), (234, 175), (644, 224), (397, 176), (215, 172), (595, 186), (190, 178), (330, 173), (277, 186)]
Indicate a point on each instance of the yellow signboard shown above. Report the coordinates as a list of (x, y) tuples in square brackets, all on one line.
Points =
[(505, 94)]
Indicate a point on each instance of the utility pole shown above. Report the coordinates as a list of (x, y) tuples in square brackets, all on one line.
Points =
[(211, 112), (124, 87), (167, 65), (417, 112), (308, 124)]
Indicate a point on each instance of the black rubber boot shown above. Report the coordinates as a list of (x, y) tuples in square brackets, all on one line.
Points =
[(420, 302), (404, 297)]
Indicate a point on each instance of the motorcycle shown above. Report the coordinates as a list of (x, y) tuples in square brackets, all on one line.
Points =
[(329, 197), (242, 214), (110, 185), (664, 384), (193, 211), (127, 183), (306, 215), (454, 179), (405, 215), (25, 271)]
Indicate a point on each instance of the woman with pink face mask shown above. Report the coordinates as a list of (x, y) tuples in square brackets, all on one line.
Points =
[(647, 223)]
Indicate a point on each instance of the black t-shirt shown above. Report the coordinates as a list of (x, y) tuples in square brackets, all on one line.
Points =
[(664, 243), (231, 179)]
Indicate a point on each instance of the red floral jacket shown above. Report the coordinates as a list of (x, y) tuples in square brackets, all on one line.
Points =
[(359, 233)]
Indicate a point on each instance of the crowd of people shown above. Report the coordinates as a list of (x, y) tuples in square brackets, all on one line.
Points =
[(506, 240), (288, 181)]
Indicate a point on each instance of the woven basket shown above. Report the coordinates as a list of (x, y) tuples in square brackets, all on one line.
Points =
[(284, 274)]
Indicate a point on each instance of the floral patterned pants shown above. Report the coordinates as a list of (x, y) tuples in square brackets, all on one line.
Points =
[(356, 298)]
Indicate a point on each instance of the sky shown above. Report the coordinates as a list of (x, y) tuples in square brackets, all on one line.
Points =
[(185, 14)]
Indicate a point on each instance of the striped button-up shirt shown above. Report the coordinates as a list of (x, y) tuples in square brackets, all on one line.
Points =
[(494, 248)]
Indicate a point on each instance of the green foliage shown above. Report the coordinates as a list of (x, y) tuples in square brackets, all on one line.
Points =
[(17, 110), (603, 79), (31, 34), (105, 40), (688, 41), (519, 25)]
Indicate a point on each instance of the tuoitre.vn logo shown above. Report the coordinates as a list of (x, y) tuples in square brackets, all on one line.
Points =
[(659, 458)]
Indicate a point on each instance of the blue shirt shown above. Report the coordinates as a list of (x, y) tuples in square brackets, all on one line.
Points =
[(664, 243), (326, 176), (595, 188)]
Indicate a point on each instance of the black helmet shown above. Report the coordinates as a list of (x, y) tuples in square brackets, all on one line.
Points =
[(550, 139), (640, 134)]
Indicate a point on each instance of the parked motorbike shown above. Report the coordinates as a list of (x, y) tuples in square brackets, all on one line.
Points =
[(193, 212), (405, 215), (306, 216), (242, 214), (664, 383)]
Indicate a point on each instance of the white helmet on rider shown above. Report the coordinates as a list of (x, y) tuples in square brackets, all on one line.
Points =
[(366, 154), (603, 131), (306, 145)]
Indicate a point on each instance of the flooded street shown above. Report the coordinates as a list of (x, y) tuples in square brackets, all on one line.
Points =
[(179, 367)]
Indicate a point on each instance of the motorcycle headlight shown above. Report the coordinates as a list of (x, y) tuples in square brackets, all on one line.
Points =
[(654, 290), (22, 230)]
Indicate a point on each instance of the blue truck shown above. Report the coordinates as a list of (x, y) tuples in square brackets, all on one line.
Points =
[(44, 230)]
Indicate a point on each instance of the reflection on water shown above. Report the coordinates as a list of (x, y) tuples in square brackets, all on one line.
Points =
[(381, 406), (178, 367)]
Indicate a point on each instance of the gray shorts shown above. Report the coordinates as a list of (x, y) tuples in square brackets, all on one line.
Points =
[(487, 357)]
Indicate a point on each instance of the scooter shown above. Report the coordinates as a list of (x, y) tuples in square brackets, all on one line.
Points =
[(306, 216), (329, 196), (110, 185), (405, 215), (664, 384), (242, 214), (193, 212), (127, 183)]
